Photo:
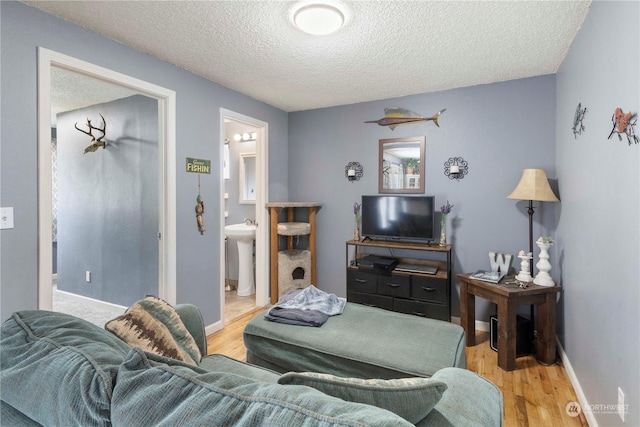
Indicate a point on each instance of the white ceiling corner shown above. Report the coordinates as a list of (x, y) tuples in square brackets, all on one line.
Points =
[(386, 48)]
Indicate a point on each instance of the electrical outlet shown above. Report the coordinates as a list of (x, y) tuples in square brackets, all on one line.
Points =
[(87, 276), (621, 407), (6, 218)]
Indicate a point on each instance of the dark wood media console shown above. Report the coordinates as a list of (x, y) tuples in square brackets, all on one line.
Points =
[(426, 295)]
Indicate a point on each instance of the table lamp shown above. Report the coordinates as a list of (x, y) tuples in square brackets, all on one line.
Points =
[(533, 185)]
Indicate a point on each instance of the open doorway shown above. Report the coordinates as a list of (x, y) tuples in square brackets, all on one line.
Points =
[(77, 187), (244, 278)]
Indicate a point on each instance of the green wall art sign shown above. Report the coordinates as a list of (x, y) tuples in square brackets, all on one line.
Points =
[(198, 165)]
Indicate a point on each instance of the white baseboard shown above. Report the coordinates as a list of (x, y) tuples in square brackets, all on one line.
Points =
[(214, 327), (480, 326), (582, 399)]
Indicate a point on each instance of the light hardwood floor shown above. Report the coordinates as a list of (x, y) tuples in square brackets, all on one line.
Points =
[(534, 394)]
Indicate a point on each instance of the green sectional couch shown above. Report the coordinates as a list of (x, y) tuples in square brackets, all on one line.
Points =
[(58, 370)]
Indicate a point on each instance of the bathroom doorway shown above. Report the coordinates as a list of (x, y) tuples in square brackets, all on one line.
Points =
[(244, 278)]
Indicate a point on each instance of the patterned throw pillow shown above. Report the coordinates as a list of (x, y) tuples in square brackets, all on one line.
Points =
[(410, 398), (154, 325)]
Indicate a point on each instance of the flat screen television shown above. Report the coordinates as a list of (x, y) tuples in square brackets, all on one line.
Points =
[(405, 218)]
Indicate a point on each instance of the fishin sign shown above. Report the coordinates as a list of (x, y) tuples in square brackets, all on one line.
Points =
[(198, 165)]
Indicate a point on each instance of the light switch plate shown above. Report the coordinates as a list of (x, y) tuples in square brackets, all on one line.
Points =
[(6, 218)]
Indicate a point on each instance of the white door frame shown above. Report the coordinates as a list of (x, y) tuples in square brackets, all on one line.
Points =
[(262, 196), (167, 168)]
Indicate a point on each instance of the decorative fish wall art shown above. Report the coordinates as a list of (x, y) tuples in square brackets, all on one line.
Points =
[(396, 116), (623, 124), (578, 126)]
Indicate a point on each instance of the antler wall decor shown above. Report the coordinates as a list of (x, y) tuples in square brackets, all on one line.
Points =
[(95, 142)]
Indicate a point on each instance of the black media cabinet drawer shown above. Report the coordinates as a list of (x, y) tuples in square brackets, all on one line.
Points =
[(362, 281), (394, 285), (379, 301), (429, 289), (424, 309)]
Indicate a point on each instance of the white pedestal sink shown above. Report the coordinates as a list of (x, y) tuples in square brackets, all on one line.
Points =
[(244, 234)]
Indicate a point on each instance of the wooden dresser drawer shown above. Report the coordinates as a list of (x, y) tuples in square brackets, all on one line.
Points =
[(362, 281), (407, 289), (424, 309), (429, 289), (371, 300), (395, 285)]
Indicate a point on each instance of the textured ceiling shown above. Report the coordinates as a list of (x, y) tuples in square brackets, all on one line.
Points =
[(386, 49), (72, 91)]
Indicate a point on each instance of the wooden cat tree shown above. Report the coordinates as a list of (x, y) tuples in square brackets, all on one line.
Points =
[(287, 263)]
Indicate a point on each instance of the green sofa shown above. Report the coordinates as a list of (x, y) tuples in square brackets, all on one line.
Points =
[(58, 370)]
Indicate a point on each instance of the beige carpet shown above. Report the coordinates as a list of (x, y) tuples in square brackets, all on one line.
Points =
[(235, 307), (84, 308)]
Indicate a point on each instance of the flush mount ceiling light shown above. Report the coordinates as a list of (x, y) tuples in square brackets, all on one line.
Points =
[(318, 19)]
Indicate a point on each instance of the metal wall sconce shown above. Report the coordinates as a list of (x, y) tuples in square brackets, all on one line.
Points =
[(456, 168), (353, 171)]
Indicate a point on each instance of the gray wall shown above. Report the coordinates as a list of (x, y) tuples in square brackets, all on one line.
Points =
[(598, 220), (108, 202), (23, 29), (500, 129)]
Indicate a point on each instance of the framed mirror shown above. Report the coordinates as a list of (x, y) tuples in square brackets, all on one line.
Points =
[(247, 178), (401, 165)]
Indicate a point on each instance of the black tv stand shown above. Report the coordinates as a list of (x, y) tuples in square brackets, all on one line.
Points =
[(411, 292)]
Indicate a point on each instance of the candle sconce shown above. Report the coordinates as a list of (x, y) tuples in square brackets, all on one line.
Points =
[(353, 171), (456, 168)]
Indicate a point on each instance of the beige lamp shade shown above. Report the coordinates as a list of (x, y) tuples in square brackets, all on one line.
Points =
[(533, 185)]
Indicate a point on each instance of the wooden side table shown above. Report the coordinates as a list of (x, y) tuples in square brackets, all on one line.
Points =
[(507, 298)]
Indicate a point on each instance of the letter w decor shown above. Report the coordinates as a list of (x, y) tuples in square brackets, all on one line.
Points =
[(500, 262)]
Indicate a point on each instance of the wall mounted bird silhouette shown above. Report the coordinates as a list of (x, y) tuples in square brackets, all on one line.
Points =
[(623, 125)]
